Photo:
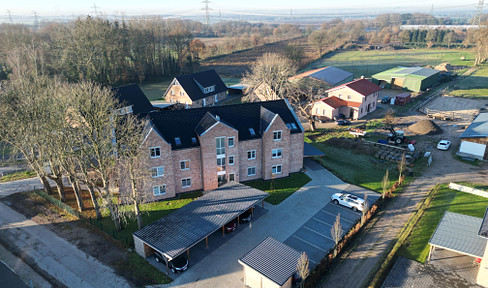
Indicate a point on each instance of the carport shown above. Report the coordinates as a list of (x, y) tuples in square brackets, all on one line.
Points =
[(459, 233), (311, 151), (181, 230)]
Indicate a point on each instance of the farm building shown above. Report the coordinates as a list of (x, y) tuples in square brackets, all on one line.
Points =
[(402, 99), (474, 140), (413, 79), (329, 75)]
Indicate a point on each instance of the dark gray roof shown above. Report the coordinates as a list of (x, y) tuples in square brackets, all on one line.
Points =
[(183, 123), (477, 129), (483, 232), (311, 151), (273, 259), (205, 79), (208, 120), (9, 278), (331, 75), (266, 118), (133, 95), (179, 231), (459, 233)]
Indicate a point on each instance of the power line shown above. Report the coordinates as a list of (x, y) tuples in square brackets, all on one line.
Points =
[(479, 12), (207, 10), (95, 9)]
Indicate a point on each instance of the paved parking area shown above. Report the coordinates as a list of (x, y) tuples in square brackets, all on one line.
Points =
[(315, 237)]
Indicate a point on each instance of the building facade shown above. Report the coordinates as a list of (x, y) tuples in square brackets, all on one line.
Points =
[(200, 149)]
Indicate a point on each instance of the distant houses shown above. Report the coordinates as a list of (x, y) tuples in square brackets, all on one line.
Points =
[(200, 89)]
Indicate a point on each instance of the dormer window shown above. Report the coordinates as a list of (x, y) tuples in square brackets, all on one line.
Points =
[(178, 141), (208, 89), (293, 126), (251, 131)]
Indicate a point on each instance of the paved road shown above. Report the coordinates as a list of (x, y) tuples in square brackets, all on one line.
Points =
[(54, 255), (8, 188), (354, 271), (221, 269)]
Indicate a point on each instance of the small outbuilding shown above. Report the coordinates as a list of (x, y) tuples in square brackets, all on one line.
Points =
[(270, 264), (413, 79), (402, 99), (474, 140)]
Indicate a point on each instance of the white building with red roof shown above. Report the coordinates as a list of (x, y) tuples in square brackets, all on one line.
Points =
[(352, 100)]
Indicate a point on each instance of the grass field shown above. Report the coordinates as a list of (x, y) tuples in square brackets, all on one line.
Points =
[(371, 62), (416, 247), (474, 85), (18, 176), (283, 187)]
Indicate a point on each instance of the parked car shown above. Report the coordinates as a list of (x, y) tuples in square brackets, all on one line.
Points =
[(177, 265), (231, 226), (348, 200), (343, 122), (246, 216), (385, 100), (444, 145)]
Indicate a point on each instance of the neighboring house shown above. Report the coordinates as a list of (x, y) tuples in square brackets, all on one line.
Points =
[(197, 90), (329, 75), (132, 99), (413, 79), (201, 148), (474, 140), (352, 100)]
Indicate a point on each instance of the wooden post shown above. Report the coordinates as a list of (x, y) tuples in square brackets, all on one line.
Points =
[(188, 254), (252, 211), (238, 219), (430, 253), (223, 232), (167, 265), (206, 242)]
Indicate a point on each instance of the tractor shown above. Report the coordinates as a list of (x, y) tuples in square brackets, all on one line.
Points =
[(396, 136)]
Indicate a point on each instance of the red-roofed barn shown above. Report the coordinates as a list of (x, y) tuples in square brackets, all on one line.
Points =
[(353, 100)]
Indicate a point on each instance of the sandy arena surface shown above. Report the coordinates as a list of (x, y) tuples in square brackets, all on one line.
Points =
[(465, 106)]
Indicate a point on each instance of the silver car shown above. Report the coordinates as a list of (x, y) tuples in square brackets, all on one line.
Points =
[(348, 200)]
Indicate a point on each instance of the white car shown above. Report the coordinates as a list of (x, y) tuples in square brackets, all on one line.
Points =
[(348, 200), (444, 145)]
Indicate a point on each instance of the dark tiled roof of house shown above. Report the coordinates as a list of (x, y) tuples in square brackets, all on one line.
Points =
[(205, 79), (266, 118), (177, 232), (362, 86), (185, 124), (273, 259), (133, 95)]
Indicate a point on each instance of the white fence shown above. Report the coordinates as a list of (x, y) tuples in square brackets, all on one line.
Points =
[(468, 190)]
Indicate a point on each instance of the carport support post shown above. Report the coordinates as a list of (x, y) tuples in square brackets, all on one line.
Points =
[(223, 232), (167, 264), (262, 203), (430, 253), (238, 219), (206, 242), (188, 254)]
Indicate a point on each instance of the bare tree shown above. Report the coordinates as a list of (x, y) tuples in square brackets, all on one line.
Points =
[(318, 39), (401, 167), (303, 269), (365, 209), (390, 117), (385, 183), (336, 232)]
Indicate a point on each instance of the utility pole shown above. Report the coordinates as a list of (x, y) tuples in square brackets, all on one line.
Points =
[(95, 9), (479, 12), (207, 16), (10, 17), (36, 19)]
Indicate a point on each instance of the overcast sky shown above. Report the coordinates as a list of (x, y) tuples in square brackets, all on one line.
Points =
[(194, 7)]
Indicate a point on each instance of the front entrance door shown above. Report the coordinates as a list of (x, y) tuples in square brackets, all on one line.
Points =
[(351, 113), (231, 177), (222, 179)]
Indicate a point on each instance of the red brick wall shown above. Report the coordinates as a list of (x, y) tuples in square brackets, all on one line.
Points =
[(269, 144)]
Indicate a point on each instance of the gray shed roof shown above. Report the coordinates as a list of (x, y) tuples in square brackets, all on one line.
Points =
[(459, 233), (477, 129), (179, 231), (331, 75), (273, 259), (483, 232)]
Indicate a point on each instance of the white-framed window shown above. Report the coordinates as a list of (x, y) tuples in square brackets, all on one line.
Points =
[(157, 171), (220, 144), (184, 165), (186, 182), (251, 171), (155, 152), (231, 160), (276, 169), (277, 135), (230, 142), (276, 153), (220, 164), (323, 112), (159, 190), (216, 98), (181, 93), (172, 92), (317, 111), (251, 154)]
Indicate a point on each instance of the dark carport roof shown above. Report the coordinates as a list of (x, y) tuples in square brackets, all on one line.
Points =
[(179, 231), (273, 259), (310, 151), (459, 233)]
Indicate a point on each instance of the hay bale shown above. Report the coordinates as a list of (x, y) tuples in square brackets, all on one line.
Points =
[(444, 67), (425, 127)]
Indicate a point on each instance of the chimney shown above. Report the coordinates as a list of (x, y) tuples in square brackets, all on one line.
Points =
[(362, 76)]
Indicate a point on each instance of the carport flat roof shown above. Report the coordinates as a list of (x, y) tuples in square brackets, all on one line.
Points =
[(459, 233), (311, 151), (177, 232)]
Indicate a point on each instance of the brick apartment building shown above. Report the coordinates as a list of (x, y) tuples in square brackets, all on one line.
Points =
[(197, 90), (201, 148)]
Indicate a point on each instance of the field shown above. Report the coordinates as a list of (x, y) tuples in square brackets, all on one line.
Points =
[(371, 62), (416, 247), (474, 85), (236, 64)]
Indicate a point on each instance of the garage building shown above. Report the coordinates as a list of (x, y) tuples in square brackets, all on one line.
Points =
[(413, 79), (176, 233), (474, 140)]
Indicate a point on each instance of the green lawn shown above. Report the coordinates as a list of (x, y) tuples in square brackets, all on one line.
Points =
[(283, 187), (140, 271), (474, 85), (18, 176), (416, 246), (371, 62)]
